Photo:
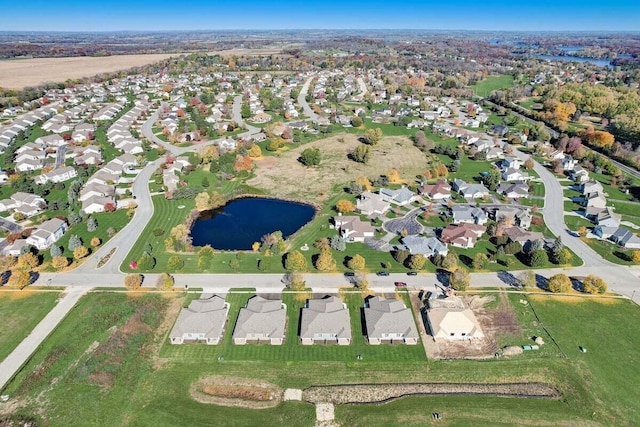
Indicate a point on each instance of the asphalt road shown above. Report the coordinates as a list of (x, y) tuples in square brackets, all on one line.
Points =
[(302, 100)]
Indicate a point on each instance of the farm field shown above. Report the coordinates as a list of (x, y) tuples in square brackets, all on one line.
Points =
[(104, 365), (491, 83)]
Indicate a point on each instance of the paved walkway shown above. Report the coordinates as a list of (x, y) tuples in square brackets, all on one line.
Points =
[(19, 356)]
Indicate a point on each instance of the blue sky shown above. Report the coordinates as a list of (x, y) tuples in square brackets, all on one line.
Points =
[(89, 15)]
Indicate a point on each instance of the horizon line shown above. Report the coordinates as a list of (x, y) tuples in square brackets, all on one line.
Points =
[(587, 31)]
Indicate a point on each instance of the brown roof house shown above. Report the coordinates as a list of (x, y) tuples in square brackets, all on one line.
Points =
[(324, 321), (464, 235), (203, 320), (261, 320), (389, 320), (449, 319)]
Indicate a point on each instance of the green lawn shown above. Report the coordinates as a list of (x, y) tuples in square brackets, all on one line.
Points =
[(101, 367), (574, 222), (610, 251), (491, 83), (20, 313)]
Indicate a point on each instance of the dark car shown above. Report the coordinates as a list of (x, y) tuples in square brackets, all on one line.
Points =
[(349, 274), (412, 273), (400, 284), (382, 273)]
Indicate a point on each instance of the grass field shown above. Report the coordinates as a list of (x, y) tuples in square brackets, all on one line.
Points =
[(20, 313), (102, 367), (610, 251), (491, 83)]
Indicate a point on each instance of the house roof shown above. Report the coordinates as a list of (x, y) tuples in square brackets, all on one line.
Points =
[(440, 187), (388, 316), (371, 202), (261, 316), (401, 195), (446, 322), (424, 245), (328, 315), (203, 316)]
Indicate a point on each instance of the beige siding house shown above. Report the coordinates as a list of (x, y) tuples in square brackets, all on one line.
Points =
[(324, 321), (203, 320), (261, 320), (390, 321)]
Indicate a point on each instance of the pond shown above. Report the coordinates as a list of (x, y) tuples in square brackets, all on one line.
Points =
[(241, 222)]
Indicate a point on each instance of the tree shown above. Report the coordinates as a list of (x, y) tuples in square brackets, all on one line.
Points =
[(165, 281), (401, 255), (175, 263), (372, 136), (95, 241), (480, 261), (356, 263), (559, 283), (245, 111), (459, 279), (255, 151), (537, 258), (491, 179), (59, 262), (255, 247), (92, 225), (74, 242), (345, 206), (417, 262), (310, 157), (529, 163), (203, 201), (356, 121), (133, 281), (325, 261), (594, 285), (563, 256), (582, 231), (28, 261), (19, 279), (361, 154), (55, 251), (450, 261), (80, 252), (204, 263), (295, 261), (527, 279), (394, 176), (364, 183), (337, 243)]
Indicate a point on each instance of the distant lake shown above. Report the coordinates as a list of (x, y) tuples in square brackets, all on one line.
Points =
[(568, 58), (241, 222)]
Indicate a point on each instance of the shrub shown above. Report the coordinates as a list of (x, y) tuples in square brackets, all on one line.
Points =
[(133, 281), (559, 283), (594, 285), (175, 263)]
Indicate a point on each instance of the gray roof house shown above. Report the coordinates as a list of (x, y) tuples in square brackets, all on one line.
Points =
[(516, 190), (261, 320), (401, 196), (203, 320), (389, 320), (372, 204), (325, 320), (470, 214), (625, 238), (448, 318), (470, 191), (427, 246)]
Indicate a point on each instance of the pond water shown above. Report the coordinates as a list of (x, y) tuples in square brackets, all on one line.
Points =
[(241, 222), (571, 58)]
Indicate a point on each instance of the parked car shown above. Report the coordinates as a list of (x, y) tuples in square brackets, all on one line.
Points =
[(400, 284), (349, 274), (382, 273), (412, 273)]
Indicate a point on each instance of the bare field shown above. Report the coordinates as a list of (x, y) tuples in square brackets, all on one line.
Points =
[(286, 177), (20, 73)]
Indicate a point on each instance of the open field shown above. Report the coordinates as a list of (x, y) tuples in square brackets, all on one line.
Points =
[(20, 73), (103, 366), (491, 83), (20, 312), (287, 177)]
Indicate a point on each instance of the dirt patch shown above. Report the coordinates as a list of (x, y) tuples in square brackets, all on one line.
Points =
[(379, 393), (283, 174), (238, 392)]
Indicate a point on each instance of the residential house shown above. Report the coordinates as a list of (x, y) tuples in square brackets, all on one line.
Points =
[(625, 238), (516, 190), (516, 216), (57, 175), (50, 141), (464, 235), (47, 233), (369, 203), (511, 162), (470, 214), (590, 187), (25, 203), (426, 246), (441, 190), (511, 174), (203, 320), (353, 229), (449, 319), (402, 196), (470, 191), (579, 174), (325, 320), (516, 234), (499, 130), (261, 320), (569, 163), (608, 218), (389, 320)]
